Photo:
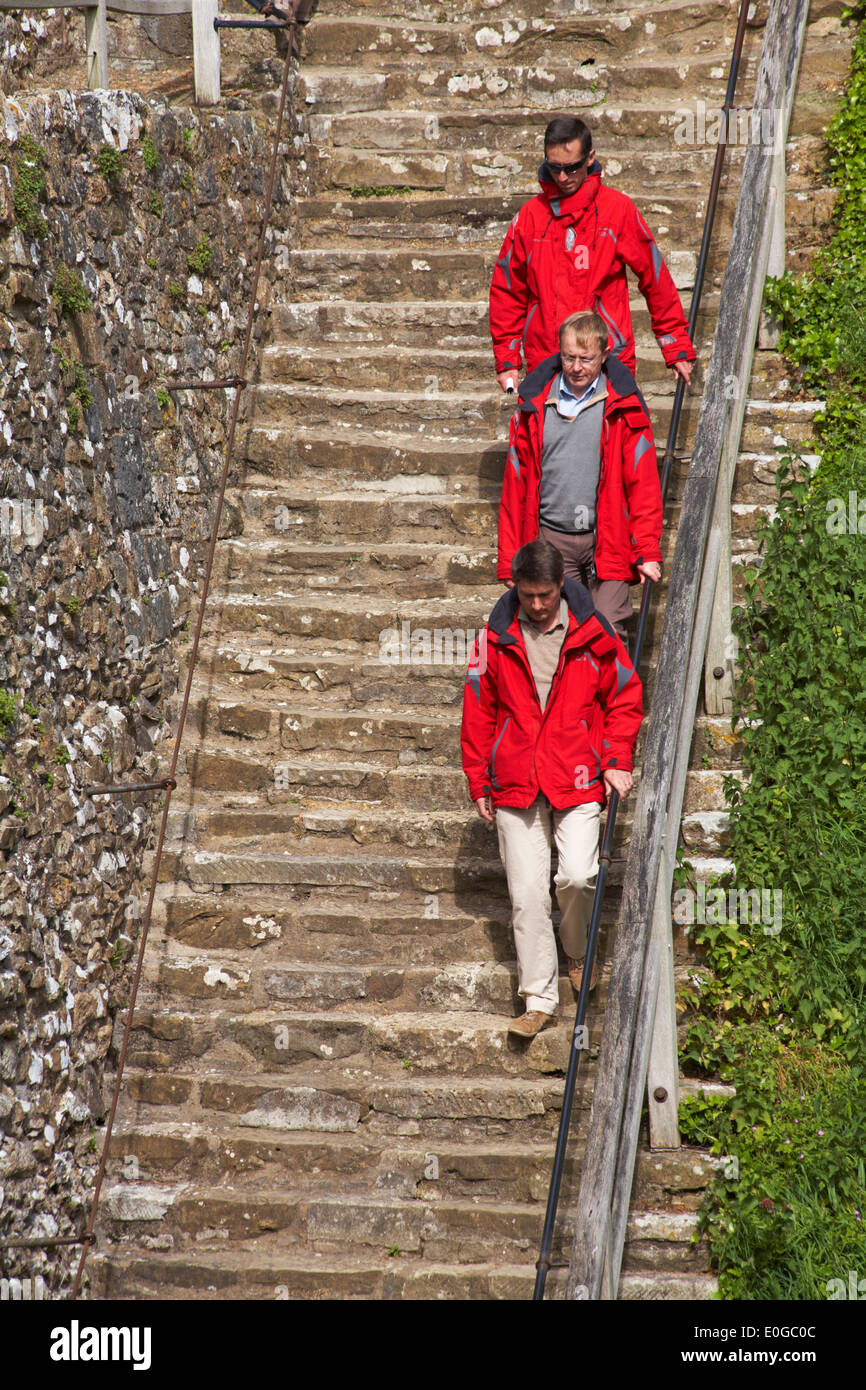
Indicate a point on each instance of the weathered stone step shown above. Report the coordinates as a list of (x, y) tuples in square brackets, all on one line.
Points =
[(228, 977), (651, 99), (379, 458), (443, 1042), (430, 371), (208, 1153), (352, 617), (239, 1275), (447, 325), (498, 43), (402, 929), (429, 218), (478, 414), (331, 1099), (413, 567), (514, 173), (465, 1232), (499, 10)]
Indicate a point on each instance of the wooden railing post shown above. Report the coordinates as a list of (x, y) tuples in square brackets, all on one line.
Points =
[(96, 33), (721, 643), (205, 52)]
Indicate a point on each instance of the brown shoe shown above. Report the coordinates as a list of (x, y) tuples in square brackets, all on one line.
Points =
[(531, 1023), (575, 973)]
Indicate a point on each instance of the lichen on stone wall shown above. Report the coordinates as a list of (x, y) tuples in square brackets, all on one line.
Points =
[(131, 271)]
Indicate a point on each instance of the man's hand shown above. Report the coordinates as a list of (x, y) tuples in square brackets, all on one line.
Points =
[(508, 379), (651, 570), (617, 781), (683, 369), (484, 809)]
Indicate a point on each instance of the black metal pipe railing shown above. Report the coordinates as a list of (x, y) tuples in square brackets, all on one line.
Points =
[(543, 1264)]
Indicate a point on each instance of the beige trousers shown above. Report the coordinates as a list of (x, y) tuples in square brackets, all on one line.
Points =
[(525, 838)]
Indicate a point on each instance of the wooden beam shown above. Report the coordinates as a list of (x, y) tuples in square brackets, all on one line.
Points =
[(721, 644), (96, 34), (205, 52), (624, 1044)]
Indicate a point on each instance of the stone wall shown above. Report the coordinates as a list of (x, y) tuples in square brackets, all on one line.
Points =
[(127, 240)]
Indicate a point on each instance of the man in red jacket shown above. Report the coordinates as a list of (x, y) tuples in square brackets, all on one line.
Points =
[(581, 471), (567, 249), (551, 711)]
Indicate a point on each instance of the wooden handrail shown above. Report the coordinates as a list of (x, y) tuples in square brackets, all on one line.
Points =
[(608, 1165)]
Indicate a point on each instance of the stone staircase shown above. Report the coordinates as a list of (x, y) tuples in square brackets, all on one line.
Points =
[(321, 1100)]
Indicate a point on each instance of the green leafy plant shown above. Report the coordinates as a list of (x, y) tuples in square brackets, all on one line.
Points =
[(81, 389), (201, 256), (8, 708), (73, 605), (390, 190), (163, 399), (155, 204), (176, 289), (149, 154), (30, 186), (61, 757), (111, 162), (69, 292)]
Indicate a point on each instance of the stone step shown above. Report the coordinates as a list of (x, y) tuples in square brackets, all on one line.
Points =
[(214, 979), (431, 370), (493, 42), (218, 1151), (462, 10), (465, 1232), (379, 458), (450, 325), (384, 1043), (428, 218), (430, 868), (400, 929), (478, 414), (334, 1099), (667, 103), (238, 1275), (473, 173)]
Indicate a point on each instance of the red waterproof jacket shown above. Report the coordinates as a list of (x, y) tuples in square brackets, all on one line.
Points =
[(561, 255), (512, 749), (629, 500)]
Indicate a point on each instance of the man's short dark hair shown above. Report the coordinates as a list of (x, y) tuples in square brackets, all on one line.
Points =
[(563, 129), (538, 562)]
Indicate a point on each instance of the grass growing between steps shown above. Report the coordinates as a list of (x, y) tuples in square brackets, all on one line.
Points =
[(782, 1014)]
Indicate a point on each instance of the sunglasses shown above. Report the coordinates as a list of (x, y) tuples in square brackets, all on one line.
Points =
[(566, 168)]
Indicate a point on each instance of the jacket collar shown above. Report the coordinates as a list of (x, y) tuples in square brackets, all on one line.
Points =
[(536, 384), (575, 205), (504, 615)]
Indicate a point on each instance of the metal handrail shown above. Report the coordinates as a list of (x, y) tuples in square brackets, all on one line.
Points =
[(543, 1263)]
